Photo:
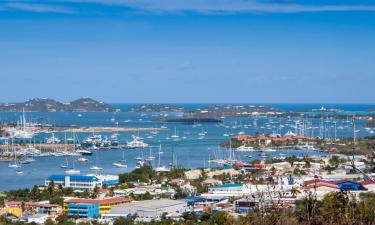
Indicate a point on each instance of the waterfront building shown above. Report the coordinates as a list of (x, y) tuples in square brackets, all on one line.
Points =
[(147, 210), (83, 182)]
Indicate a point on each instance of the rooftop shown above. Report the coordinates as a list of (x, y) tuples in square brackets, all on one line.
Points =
[(228, 185), (98, 201), (72, 178), (150, 204)]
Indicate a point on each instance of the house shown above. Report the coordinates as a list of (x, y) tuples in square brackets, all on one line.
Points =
[(43, 207), (244, 206), (193, 174), (227, 190), (37, 218), (212, 182), (368, 184)]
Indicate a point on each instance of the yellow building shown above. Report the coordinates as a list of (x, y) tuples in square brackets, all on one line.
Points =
[(105, 205)]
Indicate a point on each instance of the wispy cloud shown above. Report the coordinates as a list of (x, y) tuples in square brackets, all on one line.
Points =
[(229, 6), (35, 7), (176, 6)]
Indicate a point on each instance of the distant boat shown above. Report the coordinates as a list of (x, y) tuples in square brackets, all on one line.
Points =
[(95, 168), (121, 163), (84, 152), (175, 134), (72, 171), (82, 159), (14, 165), (136, 143), (65, 165)]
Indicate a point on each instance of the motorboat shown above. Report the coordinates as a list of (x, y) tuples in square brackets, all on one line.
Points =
[(72, 171), (53, 140), (244, 148), (84, 152), (95, 168), (137, 143), (82, 159), (14, 165), (120, 164)]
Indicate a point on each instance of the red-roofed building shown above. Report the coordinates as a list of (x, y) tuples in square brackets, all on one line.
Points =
[(38, 207)]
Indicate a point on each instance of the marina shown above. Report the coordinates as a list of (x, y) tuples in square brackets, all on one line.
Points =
[(99, 150)]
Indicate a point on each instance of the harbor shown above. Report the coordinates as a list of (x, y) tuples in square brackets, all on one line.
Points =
[(114, 142)]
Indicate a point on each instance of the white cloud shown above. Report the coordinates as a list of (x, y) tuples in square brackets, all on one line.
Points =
[(227, 6), (34, 7), (175, 6)]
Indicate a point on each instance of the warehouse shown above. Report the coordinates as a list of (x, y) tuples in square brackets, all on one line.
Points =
[(148, 210)]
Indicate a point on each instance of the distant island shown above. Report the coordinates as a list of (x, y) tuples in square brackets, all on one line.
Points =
[(51, 105), (157, 107)]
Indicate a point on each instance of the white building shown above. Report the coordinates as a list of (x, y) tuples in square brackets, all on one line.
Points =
[(37, 218), (82, 182), (147, 210)]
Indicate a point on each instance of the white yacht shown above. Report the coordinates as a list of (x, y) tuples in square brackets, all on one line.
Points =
[(175, 136), (72, 171), (120, 164), (95, 168), (244, 148), (136, 143), (53, 140), (84, 152), (82, 159)]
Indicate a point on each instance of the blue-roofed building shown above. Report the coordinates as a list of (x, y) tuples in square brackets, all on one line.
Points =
[(83, 210), (77, 182), (83, 182), (348, 185)]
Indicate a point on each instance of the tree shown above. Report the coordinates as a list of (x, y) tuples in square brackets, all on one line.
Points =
[(123, 221), (221, 218), (334, 161), (51, 187), (291, 159), (294, 191), (49, 221)]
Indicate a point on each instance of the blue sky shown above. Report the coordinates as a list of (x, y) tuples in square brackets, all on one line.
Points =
[(188, 51)]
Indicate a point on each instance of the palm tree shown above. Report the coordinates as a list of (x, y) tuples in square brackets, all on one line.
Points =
[(294, 191), (307, 160)]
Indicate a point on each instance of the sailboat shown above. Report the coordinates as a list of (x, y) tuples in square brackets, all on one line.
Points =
[(160, 168), (121, 163), (175, 136), (96, 167), (65, 165), (72, 170), (150, 156), (15, 164)]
